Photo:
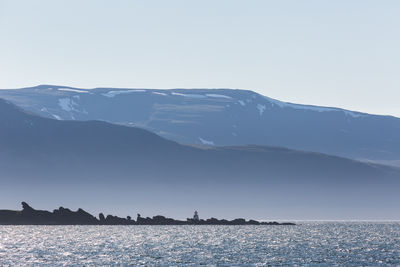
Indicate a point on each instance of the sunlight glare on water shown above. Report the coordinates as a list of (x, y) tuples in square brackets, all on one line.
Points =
[(314, 244)]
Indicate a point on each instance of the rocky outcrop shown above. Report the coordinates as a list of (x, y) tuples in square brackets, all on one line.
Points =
[(63, 216), (60, 216)]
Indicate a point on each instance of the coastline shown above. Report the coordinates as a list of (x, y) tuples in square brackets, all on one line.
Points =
[(64, 216)]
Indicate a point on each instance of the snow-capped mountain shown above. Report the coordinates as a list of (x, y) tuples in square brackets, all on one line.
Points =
[(97, 163), (221, 117)]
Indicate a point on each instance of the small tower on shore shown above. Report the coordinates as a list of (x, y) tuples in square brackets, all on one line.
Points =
[(196, 216)]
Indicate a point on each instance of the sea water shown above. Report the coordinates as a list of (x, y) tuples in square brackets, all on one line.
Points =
[(306, 244)]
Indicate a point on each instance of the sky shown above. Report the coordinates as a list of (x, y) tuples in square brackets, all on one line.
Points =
[(332, 53)]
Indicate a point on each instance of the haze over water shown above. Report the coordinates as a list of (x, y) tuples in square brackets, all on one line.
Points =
[(308, 243)]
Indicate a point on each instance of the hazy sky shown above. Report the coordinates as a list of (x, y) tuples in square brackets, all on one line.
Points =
[(334, 53)]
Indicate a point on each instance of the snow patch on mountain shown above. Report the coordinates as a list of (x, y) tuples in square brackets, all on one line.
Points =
[(241, 102), (313, 108), (353, 114), (72, 90), (48, 112), (159, 93), (219, 96), (114, 93), (66, 104), (206, 142), (261, 108), (189, 95), (56, 116)]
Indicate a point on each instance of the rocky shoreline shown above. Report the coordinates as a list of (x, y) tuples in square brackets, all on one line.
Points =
[(64, 216)]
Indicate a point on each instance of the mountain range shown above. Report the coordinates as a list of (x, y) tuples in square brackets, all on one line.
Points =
[(221, 117), (99, 165)]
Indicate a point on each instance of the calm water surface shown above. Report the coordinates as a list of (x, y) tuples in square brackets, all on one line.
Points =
[(308, 244)]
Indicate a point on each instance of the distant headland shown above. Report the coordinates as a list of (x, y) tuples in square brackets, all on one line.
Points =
[(63, 216)]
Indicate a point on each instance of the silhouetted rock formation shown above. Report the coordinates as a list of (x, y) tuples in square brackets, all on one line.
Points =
[(63, 216), (28, 215)]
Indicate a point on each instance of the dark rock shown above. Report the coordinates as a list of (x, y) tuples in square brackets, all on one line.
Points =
[(26, 207), (63, 216)]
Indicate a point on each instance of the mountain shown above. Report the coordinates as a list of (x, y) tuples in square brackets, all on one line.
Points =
[(221, 117), (100, 166)]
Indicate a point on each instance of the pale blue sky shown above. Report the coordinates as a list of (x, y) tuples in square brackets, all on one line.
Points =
[(334, 53)]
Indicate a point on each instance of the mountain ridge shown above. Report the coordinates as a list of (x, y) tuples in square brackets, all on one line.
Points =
[(103, 165), (221, 117), (279, 102)]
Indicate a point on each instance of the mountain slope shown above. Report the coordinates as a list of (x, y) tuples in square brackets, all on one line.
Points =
[(221, 117), (98, 166)]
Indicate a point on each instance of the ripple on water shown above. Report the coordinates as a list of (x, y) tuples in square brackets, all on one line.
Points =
[(314, 244)]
